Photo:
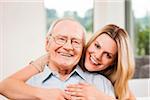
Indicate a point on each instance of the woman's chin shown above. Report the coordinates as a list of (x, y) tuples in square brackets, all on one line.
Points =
[(90, 69)]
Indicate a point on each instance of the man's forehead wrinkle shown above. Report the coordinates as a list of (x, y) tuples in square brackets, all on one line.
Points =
[(70, 26), (67, 23)]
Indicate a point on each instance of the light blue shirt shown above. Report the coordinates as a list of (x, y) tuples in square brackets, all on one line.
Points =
[(49, 79)]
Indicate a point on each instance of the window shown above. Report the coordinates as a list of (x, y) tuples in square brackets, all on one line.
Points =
[(81, 10), (138, 25), (141, 16)]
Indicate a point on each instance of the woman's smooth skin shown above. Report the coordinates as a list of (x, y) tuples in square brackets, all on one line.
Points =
[(101, 53), (107, 52)]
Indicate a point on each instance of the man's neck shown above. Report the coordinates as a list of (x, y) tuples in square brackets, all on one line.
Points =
[(62, 73)]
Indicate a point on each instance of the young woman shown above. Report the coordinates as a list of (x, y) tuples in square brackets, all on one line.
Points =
[(108, 52)]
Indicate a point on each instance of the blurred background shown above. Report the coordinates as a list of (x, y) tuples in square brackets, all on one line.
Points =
[(24, 24)]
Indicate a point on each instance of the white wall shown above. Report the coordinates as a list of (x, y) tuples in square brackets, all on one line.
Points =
[(1, 39), (141, 88), (109, 11), (22, 34)]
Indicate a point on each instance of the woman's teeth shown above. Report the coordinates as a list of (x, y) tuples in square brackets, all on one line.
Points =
[(93, 59)]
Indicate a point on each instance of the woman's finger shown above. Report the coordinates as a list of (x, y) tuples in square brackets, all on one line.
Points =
[(74, 89), (75, 93), (66, 96), (77, 98), (83, 84), (75, 86)]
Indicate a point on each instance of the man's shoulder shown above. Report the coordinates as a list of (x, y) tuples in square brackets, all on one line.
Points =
[(35, 80), (101, 82), (96, 76), (38, 78)]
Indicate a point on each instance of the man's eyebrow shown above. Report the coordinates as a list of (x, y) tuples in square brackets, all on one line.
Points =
[(76, 39), (61, 36)]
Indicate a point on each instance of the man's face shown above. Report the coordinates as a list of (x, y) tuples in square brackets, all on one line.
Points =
[(65, 45)]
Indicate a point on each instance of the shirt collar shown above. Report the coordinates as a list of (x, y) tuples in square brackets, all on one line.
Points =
[(47, 72), (80, 72)]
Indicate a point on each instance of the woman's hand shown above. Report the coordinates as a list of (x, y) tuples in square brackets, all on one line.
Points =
[(84, 91), (52, 94)]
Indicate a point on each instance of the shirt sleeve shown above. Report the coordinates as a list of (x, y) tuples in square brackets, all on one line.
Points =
[(109, 87), (35, 81), (31, 81)]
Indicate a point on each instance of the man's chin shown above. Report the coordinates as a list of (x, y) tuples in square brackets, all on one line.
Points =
[(67, 65)]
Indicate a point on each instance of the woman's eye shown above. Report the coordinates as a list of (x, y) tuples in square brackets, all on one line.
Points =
[(108, 56), (97, 46)]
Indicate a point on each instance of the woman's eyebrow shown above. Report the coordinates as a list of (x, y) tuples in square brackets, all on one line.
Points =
[(106, 50)]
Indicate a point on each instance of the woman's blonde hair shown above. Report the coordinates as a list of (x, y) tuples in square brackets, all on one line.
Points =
[(123, 68)]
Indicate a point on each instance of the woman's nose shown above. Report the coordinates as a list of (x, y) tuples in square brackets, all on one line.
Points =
[(98, 55)]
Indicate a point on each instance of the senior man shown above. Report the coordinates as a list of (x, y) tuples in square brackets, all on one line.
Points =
[(64, 44)]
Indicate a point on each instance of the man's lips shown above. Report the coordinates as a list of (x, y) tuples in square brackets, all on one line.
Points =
[(65, 54)]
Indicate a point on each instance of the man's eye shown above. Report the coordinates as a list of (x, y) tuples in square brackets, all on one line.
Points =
[(61, 39), (97, 46), (75, 42)]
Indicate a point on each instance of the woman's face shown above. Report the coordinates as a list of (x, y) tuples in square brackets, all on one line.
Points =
[(101, 53)]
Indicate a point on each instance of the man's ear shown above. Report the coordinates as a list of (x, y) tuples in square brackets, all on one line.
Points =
[(47, 43)]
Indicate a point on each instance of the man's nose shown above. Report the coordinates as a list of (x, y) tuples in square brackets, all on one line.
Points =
[(68, 45)]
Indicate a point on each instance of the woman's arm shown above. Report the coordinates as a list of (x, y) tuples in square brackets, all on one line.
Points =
[(86, 91), (15, 87)]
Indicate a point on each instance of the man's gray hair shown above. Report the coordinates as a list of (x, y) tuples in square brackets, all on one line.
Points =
[(62, 19)]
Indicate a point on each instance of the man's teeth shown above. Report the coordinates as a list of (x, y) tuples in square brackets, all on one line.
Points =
[(65, 54), (93, 60)]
